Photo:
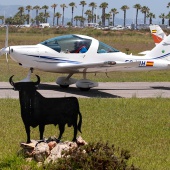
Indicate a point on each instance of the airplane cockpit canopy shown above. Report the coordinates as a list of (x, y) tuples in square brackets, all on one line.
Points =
[(71, 43), (104, 48), (67, 43)]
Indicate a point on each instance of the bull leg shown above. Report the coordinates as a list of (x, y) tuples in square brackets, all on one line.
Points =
[(41, 130), (61, 128), (75, 132), (27, 128)]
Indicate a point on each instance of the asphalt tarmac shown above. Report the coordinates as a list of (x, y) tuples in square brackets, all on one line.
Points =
[(104, 90)]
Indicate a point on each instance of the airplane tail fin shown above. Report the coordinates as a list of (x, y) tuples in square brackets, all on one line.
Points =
[(160, 51), (157, 33)]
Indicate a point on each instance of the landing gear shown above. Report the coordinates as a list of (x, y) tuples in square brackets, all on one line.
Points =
[(83, 84), (28, 78), (64, 82)]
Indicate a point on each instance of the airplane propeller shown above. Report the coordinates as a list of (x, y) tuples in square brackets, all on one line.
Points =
[(6, 49)]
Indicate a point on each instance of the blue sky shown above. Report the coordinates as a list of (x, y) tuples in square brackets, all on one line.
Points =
[(155, 7)]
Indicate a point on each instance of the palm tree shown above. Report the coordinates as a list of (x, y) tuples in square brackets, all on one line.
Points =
[(168, 14), (54, 6), (145, 10), (40, 17), (37, 8), (45, 7), (63, 6), (2, 19), (21, 10), (82, 3), (28, 8), (138, 7), (107, 16), (114, 12), (163, 18), (150, 15), (46, 16), (89, 15), (73, 5), (103, 5), (168, 17), (82, 19), (76, 18), (93, 5), (168, 5), (124, 8), (57, 15)]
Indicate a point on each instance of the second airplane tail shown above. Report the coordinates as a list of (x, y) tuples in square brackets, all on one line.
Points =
[(157, 33)]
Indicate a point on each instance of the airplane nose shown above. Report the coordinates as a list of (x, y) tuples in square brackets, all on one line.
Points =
[(4, 50)]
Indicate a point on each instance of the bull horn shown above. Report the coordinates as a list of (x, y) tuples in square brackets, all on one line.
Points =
[(38, 80), (11, 81)]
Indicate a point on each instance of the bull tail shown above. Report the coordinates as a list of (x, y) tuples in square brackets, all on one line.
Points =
[(80, 122)]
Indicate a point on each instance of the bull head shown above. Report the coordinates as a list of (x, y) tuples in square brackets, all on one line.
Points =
[(13, 84)]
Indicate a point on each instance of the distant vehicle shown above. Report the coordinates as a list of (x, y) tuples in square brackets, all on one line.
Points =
[(92, 25), (25, 26), (128, 27), (43, 25), (118, 27)]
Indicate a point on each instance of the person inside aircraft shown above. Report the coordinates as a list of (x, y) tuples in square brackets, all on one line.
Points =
[(80, 47)]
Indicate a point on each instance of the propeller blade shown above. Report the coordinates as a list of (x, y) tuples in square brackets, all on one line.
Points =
[(6, 48), (6, 39), (6, 57), (7, 61)]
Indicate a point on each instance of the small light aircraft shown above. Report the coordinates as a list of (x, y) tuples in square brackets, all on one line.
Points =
[(157, 33), (60, 55)]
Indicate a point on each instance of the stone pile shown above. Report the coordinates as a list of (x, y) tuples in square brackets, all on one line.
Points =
[(47, 151)]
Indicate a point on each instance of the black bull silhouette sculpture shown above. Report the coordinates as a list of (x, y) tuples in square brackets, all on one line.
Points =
[(37, 110)]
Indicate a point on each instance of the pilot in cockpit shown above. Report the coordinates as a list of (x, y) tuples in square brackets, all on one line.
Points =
[(80, 47)]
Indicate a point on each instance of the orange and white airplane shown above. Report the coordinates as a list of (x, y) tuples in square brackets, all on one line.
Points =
[(157, 33)]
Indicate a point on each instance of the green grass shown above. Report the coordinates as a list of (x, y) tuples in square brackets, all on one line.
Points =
[(141, 126)]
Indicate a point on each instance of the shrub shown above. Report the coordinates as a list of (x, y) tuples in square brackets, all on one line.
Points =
[(93, 156)]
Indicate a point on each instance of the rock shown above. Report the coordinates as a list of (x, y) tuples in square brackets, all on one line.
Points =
[(52, 144), (48, 151), (41, 152), (80, 141)]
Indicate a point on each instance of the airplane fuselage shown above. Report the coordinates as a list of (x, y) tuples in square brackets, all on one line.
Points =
[(46, 59)]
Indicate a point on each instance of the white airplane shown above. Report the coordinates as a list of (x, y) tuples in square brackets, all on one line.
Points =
[(59, 55), (157, 33)]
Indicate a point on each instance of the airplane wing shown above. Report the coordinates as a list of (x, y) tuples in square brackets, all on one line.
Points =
[(87, 65), (105, 66)]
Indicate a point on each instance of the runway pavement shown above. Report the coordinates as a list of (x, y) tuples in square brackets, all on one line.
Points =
[(104, 90)]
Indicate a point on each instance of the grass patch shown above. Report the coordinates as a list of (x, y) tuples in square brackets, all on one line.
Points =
[(141, 126)]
